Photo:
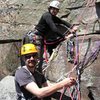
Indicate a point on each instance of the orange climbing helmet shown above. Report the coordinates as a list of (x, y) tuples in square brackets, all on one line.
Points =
[(28, 48)]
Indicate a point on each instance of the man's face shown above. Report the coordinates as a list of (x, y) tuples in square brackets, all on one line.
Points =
[(54, 11), (31, 60)]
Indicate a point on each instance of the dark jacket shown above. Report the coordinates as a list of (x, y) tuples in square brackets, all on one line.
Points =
[(48, 22)]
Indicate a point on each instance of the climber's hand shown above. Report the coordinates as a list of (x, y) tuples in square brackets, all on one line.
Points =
[(69, 36), (74, 28)]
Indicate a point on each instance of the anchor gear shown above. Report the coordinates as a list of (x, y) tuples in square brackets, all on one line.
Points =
[(70, 50)]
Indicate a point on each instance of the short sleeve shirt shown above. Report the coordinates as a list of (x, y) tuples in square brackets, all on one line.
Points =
[(24, 77)]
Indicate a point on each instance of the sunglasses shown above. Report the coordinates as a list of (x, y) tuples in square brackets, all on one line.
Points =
[(31, 55)]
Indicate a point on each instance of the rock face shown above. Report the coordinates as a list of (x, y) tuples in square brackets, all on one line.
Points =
[(9, 57), (88, 65), (7, 89), (19, 16), (16, 18), (89, 55)]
